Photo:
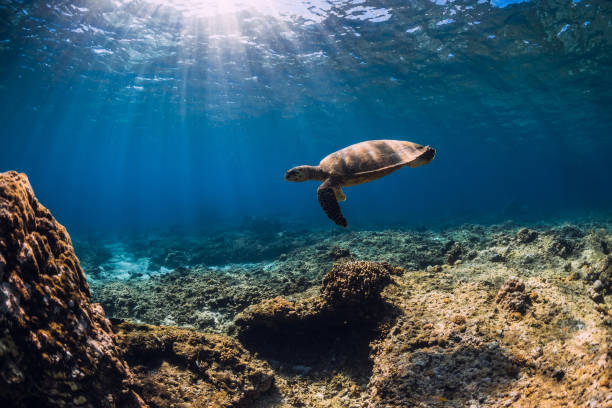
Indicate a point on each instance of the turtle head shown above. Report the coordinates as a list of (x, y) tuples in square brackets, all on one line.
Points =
[(299, 173), (303, 173)]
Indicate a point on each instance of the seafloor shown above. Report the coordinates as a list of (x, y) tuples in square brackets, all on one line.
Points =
[(512, 314)]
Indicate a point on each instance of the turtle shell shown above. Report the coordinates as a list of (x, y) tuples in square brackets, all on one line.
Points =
[(367, 161)]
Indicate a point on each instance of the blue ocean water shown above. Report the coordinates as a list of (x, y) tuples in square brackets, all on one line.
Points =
[(140, 115)]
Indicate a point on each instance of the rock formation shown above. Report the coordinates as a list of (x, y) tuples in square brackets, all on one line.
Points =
[(173, 365), (56, 348), (350, 292)]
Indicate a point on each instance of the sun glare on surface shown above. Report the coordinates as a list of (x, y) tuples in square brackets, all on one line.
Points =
[(201, 8), (208, 8)]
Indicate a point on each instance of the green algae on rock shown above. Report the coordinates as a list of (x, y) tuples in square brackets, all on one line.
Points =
[(56, 348)]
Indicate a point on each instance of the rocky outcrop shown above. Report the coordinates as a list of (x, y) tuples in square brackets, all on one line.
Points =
[(174, 365), (454, 328), (456, 346), (350, 292), (417, 365), (321, 330), (56, 348)]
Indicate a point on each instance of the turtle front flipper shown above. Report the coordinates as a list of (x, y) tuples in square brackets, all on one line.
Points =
[(329, 203)]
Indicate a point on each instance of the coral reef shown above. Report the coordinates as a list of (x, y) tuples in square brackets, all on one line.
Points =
[(451, 347), (56, 348), (445, 341), (177, 366), (484, 316), (205, 299), (170, 251)]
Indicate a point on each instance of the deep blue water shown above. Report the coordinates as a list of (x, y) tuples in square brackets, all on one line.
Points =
[(136, 115)]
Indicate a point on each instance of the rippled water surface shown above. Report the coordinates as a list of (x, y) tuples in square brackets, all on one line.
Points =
[(131, 113)]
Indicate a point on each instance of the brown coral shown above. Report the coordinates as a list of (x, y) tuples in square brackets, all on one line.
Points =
[(355, 282), (56, 348), (512, 295)]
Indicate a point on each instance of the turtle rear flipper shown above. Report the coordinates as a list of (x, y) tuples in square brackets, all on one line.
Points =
[(329, 203)]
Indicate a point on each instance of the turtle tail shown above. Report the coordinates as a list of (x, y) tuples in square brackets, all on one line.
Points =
[(329, 203)]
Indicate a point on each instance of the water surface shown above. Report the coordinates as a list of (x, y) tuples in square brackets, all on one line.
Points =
[(150, 114)]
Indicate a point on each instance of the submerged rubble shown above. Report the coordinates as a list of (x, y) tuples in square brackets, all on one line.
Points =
[(600, 278)]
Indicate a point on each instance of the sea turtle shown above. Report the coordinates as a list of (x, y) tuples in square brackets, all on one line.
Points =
[(357, 164)]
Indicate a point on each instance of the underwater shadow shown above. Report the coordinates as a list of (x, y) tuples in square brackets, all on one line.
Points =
[(322, 344)]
